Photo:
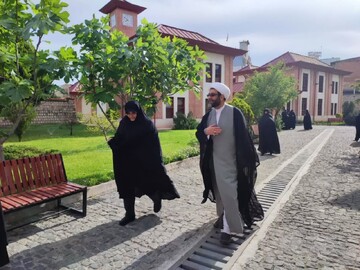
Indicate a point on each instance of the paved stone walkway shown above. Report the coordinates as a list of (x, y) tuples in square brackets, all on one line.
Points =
[(318, 228)]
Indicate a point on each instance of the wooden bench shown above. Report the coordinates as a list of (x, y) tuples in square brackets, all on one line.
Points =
[(334, 120), (32, 181)]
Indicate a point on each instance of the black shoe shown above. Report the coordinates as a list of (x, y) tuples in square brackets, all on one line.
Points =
[(126, 220), (225, 239), (219, 223)]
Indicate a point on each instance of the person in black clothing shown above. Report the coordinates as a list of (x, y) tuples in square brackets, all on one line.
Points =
[(357, 125), (137, 161), (285, 119), (292, 119), (4, 257), (307, 121), (268, 138)]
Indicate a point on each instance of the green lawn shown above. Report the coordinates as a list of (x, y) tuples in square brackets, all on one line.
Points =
[(87, 157)]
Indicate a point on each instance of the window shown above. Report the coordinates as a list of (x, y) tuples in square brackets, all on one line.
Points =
[(170, 109), (334, 87), (321, 85), (181, 105), (303, 105), (113, 20), (217, 73), (333, 108), (305, 82), (320, 104), (209, 75)]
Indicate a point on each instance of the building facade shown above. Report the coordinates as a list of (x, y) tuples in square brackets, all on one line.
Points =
[(124, 17), (320, 85)]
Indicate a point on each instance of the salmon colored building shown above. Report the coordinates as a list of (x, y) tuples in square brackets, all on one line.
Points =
[(124, 17), (320, 85)]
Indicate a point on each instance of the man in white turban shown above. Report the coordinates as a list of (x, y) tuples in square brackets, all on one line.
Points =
[(228, 162)]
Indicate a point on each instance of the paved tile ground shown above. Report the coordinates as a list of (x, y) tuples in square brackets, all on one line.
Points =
[(317, 229)]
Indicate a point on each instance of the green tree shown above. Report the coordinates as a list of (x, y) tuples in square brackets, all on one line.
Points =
[(148, 68), (27, 71), (270, 89), (241, 104)]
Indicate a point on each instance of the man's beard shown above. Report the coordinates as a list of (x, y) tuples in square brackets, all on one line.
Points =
[(215, 103)]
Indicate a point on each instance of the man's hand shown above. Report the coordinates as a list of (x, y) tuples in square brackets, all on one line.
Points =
[(212, 130)]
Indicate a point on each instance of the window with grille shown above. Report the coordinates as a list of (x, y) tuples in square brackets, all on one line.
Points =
[(303, 105), (217, 73), (305, 82), (181, 105), (320, 104), (209, 69), (170, 109), (321, 84)]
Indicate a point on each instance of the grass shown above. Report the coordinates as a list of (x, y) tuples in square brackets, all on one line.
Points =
[(87, 157)]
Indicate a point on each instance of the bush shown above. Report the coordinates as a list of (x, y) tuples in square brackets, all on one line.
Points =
[(184, 122), (20, 151)]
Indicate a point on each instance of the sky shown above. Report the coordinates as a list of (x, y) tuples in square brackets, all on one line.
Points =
[(272, 27)]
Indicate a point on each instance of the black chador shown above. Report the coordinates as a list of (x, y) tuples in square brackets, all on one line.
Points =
[(357, 125), (307, 121), (138, 164), (268, 138), (4, 258)]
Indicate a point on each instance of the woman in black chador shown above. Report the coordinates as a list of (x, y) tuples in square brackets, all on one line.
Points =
[(292, 119), (357, 125), (307, 121), (137, 161), (268, 138)]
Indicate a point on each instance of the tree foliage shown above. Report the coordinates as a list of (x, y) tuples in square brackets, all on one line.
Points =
[(26, 71), (241, 104), (148, 68), (271, 89)]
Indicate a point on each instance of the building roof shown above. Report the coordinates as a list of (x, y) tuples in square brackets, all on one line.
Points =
[(75, 88), (354, 59), (194, 38), (294, 59), (238, 87), (123, 4)]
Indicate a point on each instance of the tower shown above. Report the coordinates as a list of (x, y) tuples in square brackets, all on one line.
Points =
[(123, 16)]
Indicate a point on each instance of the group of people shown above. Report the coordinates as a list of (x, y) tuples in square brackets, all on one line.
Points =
[(228, 160), (228, 164), (288, 119)]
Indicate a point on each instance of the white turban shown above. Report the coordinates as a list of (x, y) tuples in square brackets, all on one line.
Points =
[(221, 88)]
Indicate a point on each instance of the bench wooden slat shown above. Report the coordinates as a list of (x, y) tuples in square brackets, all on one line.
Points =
[(22, 175), (15, 171), (45, 169), (35, 172), (50, 167), (6, 206), (9, 177), (28, 174), (60, 169), (8, 200)]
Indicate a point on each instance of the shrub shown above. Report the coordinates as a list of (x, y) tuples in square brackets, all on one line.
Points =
[(21, 151), (184, 122)]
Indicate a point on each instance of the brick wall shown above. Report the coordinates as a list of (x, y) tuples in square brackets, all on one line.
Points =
[(52, 111)]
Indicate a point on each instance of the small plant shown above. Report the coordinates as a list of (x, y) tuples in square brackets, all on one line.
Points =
[(184, 122)]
